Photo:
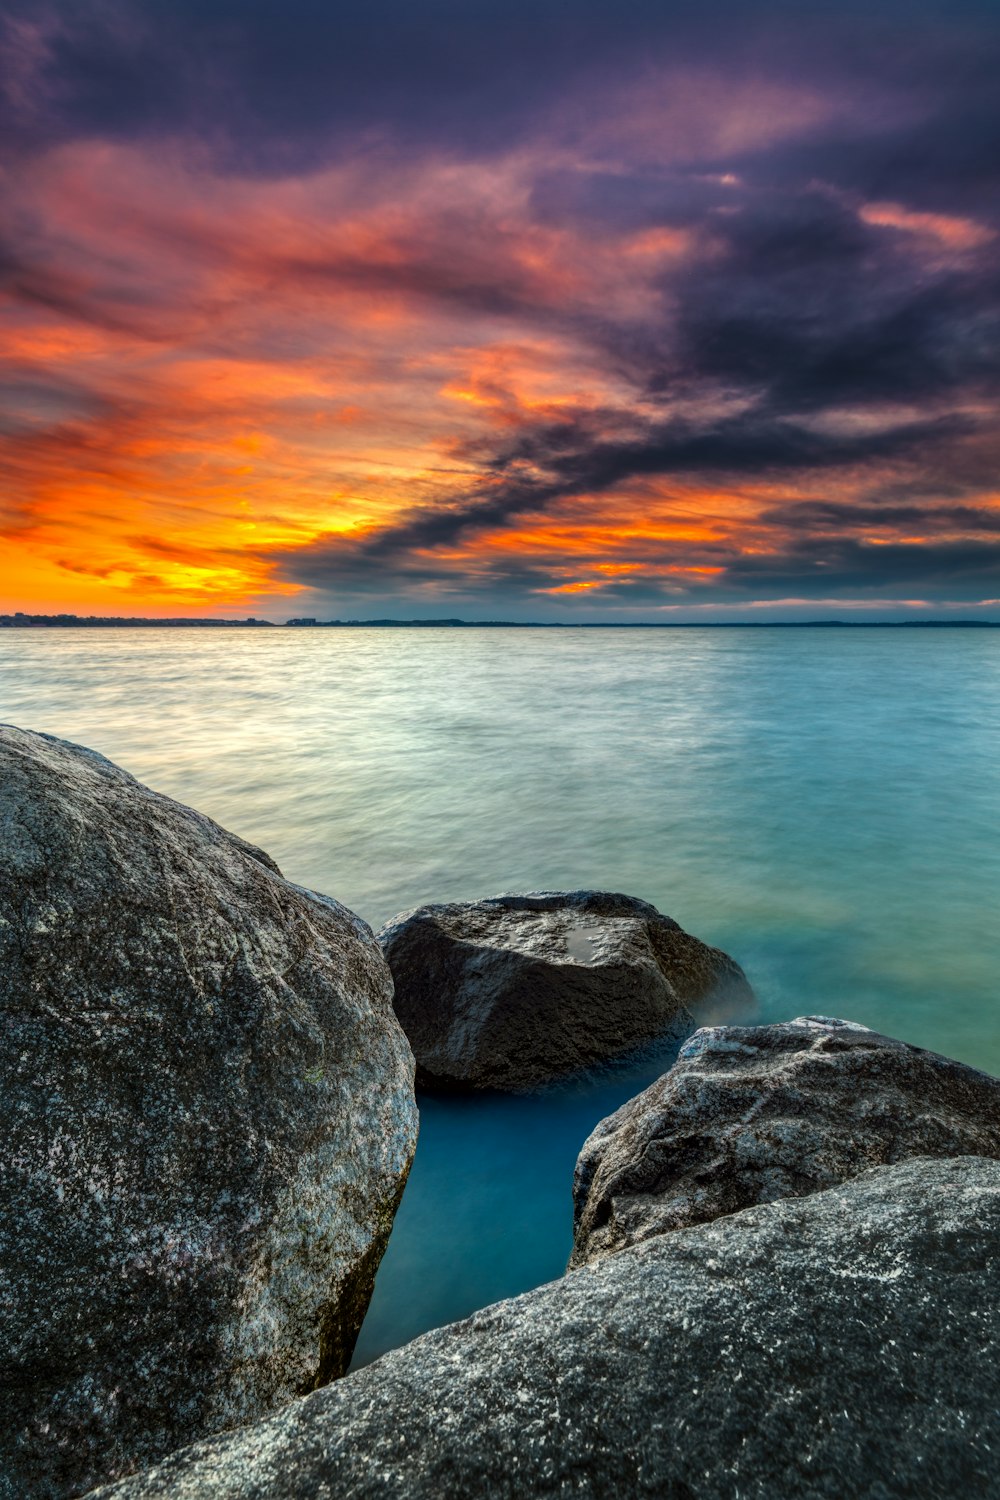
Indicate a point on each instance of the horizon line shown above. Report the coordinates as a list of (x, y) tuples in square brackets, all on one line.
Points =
[(21, 620)]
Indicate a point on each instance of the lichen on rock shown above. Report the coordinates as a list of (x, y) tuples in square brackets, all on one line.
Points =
[(749, 1114), (843, 1344), (206, 1117), (512, 992)]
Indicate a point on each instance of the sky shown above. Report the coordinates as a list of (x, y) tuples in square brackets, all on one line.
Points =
[(500, 309)]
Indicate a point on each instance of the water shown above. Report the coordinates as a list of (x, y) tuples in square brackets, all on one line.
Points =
[(824, 804)]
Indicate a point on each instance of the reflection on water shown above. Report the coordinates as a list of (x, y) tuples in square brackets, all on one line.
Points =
[(821, 803)]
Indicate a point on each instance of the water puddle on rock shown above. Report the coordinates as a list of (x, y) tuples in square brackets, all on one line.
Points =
[(581, 944)]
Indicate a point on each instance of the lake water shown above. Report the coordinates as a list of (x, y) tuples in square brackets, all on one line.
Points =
[(822, 803)]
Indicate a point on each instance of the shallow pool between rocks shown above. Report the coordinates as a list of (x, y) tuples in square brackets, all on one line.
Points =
[(488, 1209)]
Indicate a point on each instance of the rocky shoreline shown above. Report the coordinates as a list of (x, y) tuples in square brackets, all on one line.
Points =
[(786, 1254)]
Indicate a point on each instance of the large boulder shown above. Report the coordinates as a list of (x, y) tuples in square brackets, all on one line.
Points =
[(206, 1121), (515, 991), (845, 1344), (750, 1114)]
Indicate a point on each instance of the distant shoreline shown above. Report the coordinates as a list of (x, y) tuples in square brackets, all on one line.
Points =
[(125, 622)]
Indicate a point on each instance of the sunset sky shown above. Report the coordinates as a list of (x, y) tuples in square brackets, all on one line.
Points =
[(502, 308)]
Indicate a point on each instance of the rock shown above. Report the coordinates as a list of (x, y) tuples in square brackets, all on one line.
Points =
[(206, 1121), (845, 1344), (515, 991), (750, 1114)]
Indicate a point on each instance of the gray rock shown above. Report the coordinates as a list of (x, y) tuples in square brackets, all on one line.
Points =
[(750, 1114), (512, 992), (206, 1121), (845, 1344)]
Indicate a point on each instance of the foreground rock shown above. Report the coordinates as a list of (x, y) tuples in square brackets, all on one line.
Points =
[(750, 1114), (842, 1344), (512, 992), (206, 1120)]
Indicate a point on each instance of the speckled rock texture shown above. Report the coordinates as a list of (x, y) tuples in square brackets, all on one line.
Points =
[(841, 1345), (206, 1121), (515, 991), (750, 1114)]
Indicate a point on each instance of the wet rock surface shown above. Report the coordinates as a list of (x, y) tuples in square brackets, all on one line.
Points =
[(512, 992), (206, 1120), (840, 1344), (750, 1114)]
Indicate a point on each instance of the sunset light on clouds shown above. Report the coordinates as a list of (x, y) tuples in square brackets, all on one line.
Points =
[(536, 312)]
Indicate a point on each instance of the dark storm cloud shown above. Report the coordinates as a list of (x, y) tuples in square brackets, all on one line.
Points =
[(263, 81), (953, 570), (813, 568), (829, 516), (576, 462), (760, 442), (820, 308), (941, 155)]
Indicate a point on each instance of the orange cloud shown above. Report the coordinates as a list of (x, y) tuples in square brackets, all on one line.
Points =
[(952, 233)]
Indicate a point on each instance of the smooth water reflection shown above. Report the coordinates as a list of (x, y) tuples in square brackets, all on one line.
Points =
[(821, 803)]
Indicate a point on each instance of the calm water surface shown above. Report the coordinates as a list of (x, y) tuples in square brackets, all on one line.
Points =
[(824, 804)]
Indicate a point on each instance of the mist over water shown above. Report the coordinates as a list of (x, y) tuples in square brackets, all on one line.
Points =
[(821, 803)]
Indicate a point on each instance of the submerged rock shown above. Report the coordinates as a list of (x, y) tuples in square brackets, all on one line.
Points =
[(842, 1344), (512, 992), (750, 1114), (206, 1121)]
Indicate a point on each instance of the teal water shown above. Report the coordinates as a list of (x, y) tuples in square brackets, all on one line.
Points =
[(824, 804)]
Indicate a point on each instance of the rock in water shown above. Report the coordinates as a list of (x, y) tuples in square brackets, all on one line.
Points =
[(513, 992), (206, 1118), (750, 1114), (845, 1344)]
